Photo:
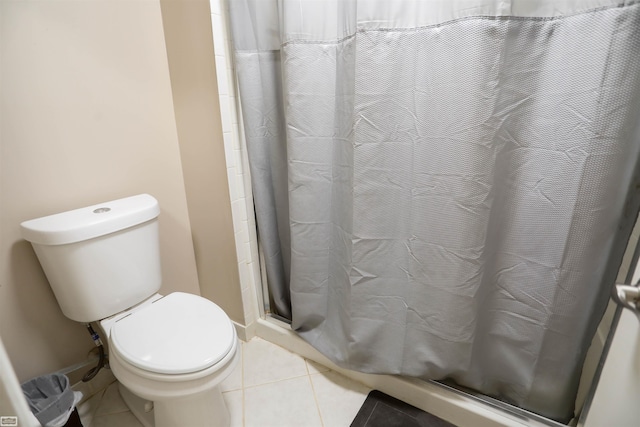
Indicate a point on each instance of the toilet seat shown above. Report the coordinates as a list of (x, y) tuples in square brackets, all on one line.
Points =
[(177, 334)]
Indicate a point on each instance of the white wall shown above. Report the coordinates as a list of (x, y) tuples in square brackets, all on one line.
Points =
[(197, 111), (86, 116)]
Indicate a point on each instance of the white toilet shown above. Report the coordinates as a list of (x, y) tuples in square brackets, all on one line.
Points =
[(103, 264)]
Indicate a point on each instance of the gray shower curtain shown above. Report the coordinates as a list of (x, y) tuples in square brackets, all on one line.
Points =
[(439, 184)]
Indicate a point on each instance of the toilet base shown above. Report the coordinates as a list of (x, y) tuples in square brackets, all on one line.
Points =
[(141, 408), (192, 399), (206, 409)]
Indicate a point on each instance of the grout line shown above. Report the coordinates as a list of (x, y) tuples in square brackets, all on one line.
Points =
[(244, 386), (318, 370), (275, 381), (99, 404), (315, 398)]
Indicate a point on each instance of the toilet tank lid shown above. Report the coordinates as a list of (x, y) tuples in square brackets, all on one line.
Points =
[(92, 221)]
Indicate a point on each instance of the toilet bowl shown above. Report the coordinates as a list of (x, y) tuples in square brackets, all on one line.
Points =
[(173, 351)]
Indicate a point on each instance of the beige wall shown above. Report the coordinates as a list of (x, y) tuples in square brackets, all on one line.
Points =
[(86, 116), (195, 96)]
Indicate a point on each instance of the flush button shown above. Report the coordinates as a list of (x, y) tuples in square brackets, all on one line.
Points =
[(101, 210)]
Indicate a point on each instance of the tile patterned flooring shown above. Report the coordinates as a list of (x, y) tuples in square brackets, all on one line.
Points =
[(270, 387)]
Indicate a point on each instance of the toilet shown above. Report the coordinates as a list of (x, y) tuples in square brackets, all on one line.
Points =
[(169, 353)]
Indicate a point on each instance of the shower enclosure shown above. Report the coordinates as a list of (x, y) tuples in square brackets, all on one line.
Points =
[(444, 190)]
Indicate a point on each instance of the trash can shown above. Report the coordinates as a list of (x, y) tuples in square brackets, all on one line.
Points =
[(52, 401)]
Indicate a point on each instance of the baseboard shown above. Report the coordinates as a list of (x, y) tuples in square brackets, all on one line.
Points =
[(100, 382), (245, 333), (77, 371)]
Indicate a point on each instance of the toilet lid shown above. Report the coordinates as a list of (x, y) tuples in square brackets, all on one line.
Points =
[(178, 334)]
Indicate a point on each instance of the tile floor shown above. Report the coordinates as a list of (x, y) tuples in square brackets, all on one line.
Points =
[(270, 387)]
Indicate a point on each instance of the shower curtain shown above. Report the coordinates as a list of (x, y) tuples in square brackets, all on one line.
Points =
[(439, 184)]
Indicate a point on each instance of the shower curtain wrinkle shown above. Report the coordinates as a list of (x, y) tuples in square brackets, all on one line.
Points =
[(450, 181)]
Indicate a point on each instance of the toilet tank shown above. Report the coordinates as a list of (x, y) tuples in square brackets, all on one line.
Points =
[(101, 259)]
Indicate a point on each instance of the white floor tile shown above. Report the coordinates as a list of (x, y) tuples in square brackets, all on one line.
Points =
[(265, 362), (287, 403), (315, 368), (112, 402), (88, 408), (84, 389), (123, 419), (270, 387), (338, 398), (101, 381), (234, 401)]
